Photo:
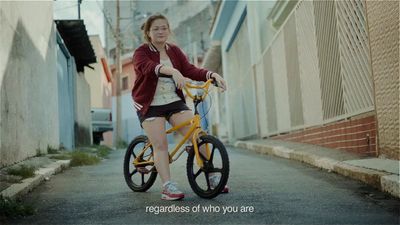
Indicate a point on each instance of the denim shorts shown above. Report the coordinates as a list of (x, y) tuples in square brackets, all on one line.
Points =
[(165, 111)]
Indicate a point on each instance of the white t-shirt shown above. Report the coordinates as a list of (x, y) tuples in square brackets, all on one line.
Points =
[(165, 91)]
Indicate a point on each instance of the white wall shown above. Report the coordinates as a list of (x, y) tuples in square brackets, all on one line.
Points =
[(28, 79), (83, 120), (130, 127), (100, 88)]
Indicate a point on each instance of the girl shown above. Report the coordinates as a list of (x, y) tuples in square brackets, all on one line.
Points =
[(158, 99)]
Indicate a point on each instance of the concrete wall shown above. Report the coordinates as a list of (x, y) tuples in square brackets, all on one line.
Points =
[(130, 126), (83, 125), (383, 24), (95, 77), (100, 88), (28, 79)]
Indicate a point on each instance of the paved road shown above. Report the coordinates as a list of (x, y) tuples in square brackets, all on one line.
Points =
[(278, 190)]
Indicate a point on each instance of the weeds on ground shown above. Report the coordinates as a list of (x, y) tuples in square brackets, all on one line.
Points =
[(61, 157), (103, 151), (51, 150), (22, 171), (121, 144), (79, 158), (11, 208), (39, 152)]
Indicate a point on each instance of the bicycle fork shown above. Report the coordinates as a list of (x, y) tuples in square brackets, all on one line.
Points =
[(196, 149)]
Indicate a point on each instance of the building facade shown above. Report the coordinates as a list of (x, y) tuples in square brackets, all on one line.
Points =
[(99, 80), (43, 96), (303, 71)]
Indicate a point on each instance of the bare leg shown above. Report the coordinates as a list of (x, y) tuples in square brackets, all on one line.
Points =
[(155, 130), (181, 117)]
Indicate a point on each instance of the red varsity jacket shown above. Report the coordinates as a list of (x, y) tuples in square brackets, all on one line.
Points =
[(146, 61)]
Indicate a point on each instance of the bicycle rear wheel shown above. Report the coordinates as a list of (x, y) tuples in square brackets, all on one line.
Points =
[(139, 178), (216, 164)]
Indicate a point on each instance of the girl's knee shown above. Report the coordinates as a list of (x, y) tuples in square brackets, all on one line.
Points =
[(160, 146)]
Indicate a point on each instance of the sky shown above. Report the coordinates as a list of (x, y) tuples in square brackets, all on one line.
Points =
[(91, 13)]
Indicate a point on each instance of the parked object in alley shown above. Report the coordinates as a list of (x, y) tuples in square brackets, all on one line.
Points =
[(101, 122)]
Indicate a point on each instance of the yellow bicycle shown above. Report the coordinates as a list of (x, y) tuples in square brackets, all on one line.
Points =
[(140, 172)]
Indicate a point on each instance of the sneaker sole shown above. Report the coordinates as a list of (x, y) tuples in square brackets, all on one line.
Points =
[(168, 198), (225, 191)]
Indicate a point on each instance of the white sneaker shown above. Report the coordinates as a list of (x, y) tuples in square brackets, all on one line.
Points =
[(171, 192), (214, 181)]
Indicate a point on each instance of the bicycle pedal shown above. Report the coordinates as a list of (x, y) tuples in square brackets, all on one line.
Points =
[(143, 170)]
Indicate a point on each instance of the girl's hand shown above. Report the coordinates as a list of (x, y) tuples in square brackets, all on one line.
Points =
[(220, 81), (179, 79)]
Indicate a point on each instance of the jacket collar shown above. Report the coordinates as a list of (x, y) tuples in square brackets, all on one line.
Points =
[(154, 49)]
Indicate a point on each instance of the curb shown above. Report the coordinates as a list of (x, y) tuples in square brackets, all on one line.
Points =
[(19, 189), (383, 181)]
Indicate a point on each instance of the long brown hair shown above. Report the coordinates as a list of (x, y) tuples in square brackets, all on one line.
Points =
[(146, 26)]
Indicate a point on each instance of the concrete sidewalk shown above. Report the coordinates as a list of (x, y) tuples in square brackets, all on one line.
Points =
[(46, 168), (382, 174)]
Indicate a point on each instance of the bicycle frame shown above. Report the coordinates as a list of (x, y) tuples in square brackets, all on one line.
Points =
[(195, 131)]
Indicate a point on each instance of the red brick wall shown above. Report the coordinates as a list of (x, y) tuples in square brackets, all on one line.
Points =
[(353, 135)]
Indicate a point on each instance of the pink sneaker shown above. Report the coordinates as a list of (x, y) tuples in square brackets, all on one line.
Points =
[(214, 180), (170, 192)]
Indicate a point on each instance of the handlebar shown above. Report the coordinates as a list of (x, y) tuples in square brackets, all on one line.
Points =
[(204, 86), (188, 86)]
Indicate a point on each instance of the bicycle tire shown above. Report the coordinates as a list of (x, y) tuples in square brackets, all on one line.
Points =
[(197, 185), (130, 154)]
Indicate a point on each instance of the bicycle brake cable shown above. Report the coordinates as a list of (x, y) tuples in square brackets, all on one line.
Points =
[(209, 108)]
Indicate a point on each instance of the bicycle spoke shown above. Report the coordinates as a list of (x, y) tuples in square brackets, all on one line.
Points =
[(202, 156), (212, 154), (133, 153), (197, 174), (208, 181), (216, 170), (133, 172), (142, 178)]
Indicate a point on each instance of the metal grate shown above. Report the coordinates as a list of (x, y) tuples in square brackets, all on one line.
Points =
[(280, 82), (242, 97), (329, 59), (270, 94), (259, 80), (293, 76), (354, 56), (316, 70), (308, 64)]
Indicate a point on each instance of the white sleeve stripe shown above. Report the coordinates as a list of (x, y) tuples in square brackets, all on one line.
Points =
[(137, 105), (208, 75), (157, 69)]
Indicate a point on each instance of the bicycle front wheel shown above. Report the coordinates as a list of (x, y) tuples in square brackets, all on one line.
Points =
[(216, 163), (139, 178)]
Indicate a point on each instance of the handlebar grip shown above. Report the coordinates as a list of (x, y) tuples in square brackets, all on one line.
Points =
[(164, 75), (214, 82)]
